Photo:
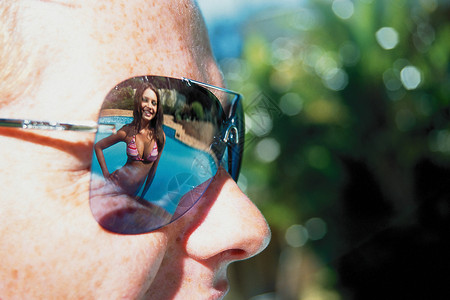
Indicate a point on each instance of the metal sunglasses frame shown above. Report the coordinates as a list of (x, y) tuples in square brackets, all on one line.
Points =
[(230, 134)]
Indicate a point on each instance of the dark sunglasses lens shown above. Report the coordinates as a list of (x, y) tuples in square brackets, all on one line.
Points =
[(137, 187)]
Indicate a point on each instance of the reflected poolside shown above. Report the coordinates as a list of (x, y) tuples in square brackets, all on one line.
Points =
[(175, 174)]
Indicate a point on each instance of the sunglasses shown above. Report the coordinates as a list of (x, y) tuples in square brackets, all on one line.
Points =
[(159, 142)]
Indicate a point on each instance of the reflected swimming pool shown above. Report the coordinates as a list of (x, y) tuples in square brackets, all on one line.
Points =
[(181, 167)]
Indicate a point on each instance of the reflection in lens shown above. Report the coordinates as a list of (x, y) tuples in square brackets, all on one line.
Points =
[(142, 194), (120, 213), (182, 184)]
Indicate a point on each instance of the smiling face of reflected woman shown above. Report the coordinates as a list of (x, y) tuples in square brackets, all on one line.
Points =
[(78, 51), (149, 104)]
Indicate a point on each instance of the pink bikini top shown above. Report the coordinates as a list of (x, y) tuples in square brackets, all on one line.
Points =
[(133, 153)]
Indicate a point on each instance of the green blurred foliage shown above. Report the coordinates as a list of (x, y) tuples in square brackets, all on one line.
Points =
[(120, 98), (197, 109), (347, 99)]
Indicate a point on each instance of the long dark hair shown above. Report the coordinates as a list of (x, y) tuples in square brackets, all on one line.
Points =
[(155, 123)]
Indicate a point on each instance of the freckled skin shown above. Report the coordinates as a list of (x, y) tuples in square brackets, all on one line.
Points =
[(50, 245)]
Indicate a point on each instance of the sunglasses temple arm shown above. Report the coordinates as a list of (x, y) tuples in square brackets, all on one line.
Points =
[(234, 106), (189, 81), (48, 125)]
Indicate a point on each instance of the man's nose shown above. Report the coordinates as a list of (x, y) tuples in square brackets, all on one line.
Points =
[(232, 224)]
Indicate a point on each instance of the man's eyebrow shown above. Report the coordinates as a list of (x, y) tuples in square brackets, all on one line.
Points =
[(66, 3)]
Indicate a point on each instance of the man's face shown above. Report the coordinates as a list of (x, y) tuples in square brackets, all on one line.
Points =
[(51, 246)]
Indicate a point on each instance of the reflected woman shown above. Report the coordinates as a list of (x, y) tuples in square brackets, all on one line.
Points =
[(145, 141)]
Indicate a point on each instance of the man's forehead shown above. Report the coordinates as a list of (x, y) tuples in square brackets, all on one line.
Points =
[(67, 3), (168, 5), (90, 46), (138, 32)]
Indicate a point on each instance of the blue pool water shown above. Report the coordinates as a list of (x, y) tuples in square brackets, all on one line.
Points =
[(180, 168)]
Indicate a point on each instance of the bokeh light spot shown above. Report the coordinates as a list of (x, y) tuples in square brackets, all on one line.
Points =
[(324, 64), (344, 9), (281, 81), (317, 228), (304, 20), (258, 122), (235, 69), (282, 48), (296, 236), (336, 79), (410, 77), (267, 150), (387, 37), (312, 54), (291, 104)]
